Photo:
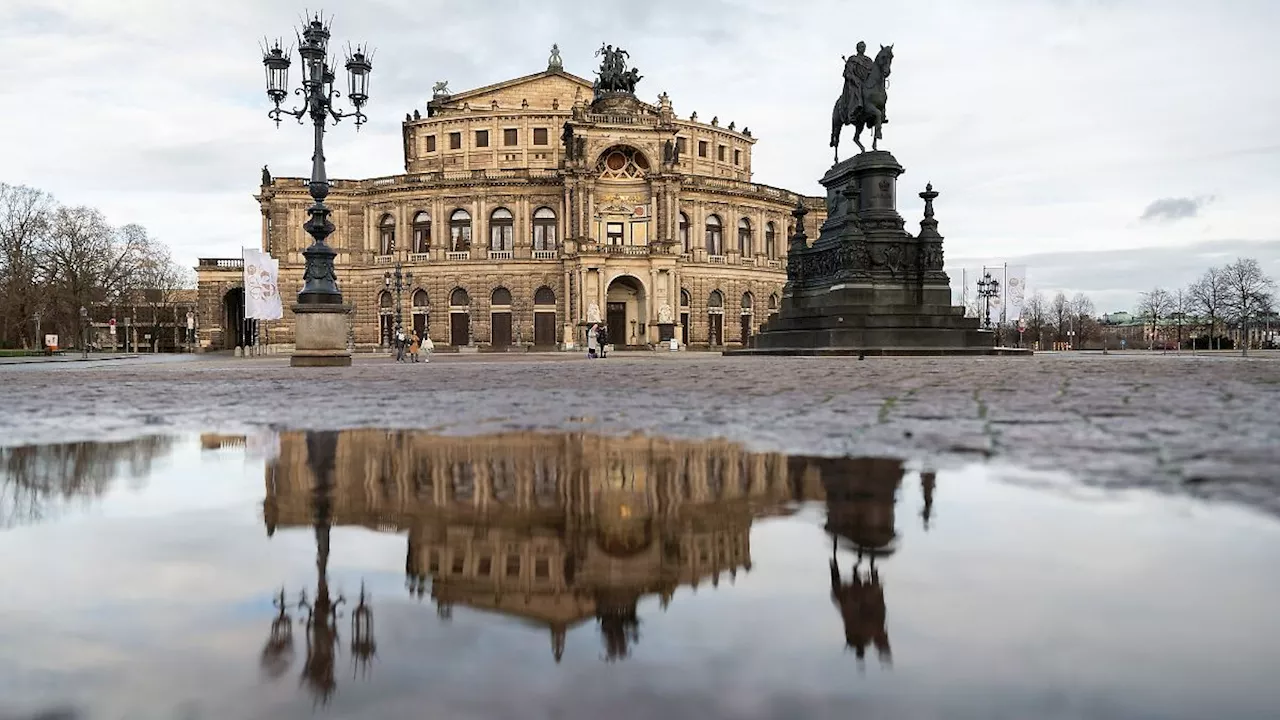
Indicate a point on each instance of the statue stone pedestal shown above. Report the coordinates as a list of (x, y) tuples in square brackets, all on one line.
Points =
[(867, 286), (321, 335)]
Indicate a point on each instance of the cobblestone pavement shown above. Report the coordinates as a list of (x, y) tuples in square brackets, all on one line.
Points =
[(1207, 425)]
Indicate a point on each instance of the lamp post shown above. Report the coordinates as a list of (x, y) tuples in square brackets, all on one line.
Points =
[(320, 284), (397, 281), (84, 331), (1106, 327), (988, 287)]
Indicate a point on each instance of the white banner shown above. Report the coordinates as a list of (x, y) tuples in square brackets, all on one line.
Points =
[(1015, 291), (261, 286)]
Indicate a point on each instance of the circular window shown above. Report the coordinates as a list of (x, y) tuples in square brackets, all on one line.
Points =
[(622, 161)]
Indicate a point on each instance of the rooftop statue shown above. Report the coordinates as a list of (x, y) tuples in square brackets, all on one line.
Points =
[(862, 102), (554, 62), (614, 76)]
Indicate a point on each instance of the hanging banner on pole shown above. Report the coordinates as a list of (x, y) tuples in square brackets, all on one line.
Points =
[(1015, 286), (261, 286)]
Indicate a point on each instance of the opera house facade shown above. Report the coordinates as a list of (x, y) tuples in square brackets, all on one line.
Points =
[(529, 209)]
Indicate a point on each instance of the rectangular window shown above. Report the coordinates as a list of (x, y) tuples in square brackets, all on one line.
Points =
[(542, 568), (614, 233), (682, 145), (458, 560), (737, 157), (513, 566), (720, 153), (455, 141), (510, 136), (482, 138), (702, 148), (539, 136), (431, 143), (485, 567)]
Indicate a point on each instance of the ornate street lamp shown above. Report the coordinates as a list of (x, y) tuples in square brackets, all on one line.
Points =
[(401, 280), (988, 287), (84, 331), (320, 284)]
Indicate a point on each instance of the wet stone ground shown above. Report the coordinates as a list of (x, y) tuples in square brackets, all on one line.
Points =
[(1207, 425)]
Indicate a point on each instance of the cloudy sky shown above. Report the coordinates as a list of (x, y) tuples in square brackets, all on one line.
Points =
[(1111, 145)]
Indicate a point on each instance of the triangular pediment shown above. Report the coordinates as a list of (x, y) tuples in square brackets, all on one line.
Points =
[(541, 90)]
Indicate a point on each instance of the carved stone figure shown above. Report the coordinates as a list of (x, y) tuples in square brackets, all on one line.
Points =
[(266, 176), (732, 124), (863, 99), (441, 89), (567, 138), (580, 148), (554, 63), (593, 313), (665, 315), (417, 115)]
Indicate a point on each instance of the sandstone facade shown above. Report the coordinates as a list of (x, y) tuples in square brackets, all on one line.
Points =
[(526, 212)]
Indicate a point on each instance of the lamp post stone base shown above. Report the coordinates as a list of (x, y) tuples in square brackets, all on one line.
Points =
[(321, 335)]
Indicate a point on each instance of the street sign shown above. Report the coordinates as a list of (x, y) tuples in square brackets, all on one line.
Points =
[(51, 341), (112, 322), (112, 329)]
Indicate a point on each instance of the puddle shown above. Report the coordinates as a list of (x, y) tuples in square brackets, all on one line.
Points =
[(374, 574)]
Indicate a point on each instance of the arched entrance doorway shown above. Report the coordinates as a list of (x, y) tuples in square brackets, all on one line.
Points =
[(544, 317), (747, 315), (500, 319), (421, 311), (715, 318), (237, 331), (459, 318), (685, 305), (625, 311)]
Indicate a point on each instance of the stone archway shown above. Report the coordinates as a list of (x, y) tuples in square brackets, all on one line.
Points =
[(626, 311), (236, 330)]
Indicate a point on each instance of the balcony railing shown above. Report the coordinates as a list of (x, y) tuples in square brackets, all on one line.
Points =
[(458, 255), (222, 263), (774, 264), (626, 249), (544, 254), (500, 255), (608, 119), (420, 257), (384, 259), (716, 259), (750, 261)]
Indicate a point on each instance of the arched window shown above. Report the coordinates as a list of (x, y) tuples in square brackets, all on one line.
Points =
[(501, 229), (770, 241), (685, 299), (716, 300), (386, 235), (773, 301), (544, 296), (420, 299), (500, 296), (385, 303), (544, 229), (747, 302), (684, 233), (459, 231), (715, 235), (422, 232), (622, 162), (744, 237), (459, 298)]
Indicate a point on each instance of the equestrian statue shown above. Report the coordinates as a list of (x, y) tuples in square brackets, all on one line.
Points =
[(862, 102), (613, 76)]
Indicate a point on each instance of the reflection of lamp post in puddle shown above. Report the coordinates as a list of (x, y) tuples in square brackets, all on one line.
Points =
[(321, 615)]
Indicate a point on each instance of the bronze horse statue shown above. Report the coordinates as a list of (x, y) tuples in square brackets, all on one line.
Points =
[(871, 112)]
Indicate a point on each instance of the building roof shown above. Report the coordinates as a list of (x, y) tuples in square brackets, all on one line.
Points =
[(448, 100)]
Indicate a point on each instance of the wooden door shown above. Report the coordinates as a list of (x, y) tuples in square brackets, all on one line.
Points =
[(500, 337), (746, 329), (715, 329), (616, 321), (459, 329), (684, 328), (544, 329), (420, 323)]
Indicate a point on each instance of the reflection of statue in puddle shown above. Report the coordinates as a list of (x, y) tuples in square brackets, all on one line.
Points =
[(319, 616), (860, 497), (556, 530)]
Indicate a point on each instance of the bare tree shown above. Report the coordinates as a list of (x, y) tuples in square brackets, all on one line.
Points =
[(1036, 313), (1248, 294), (1060, 315), (158, 282), (24, 224), (1179, 310), (1153, 306), (1081, 318), (1208, 298)]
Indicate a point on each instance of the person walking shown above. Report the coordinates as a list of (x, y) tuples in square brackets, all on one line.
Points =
[(428, 347), (415, 346), (603, 340), (399, 345), (593, 341)]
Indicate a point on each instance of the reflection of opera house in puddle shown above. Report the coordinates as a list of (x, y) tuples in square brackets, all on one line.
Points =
[(559, 529)]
